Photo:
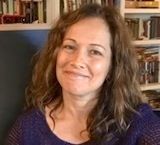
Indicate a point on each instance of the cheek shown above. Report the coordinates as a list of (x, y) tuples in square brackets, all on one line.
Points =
[(100, 68), (59, 66), (61, 59), (59, 63)]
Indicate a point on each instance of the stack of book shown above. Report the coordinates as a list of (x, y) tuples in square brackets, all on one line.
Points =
[(144, 28), (148, 60)]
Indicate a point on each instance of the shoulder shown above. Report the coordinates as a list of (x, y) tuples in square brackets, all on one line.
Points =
[(24, 127), (31, 119), (28, 117), (150, 127), (147, 125), (31, 114), (145, 116)]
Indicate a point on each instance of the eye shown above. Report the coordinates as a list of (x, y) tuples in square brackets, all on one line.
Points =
[(68, 48), (95, 52)]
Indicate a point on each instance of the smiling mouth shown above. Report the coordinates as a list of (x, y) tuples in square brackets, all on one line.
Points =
[(75, 75)]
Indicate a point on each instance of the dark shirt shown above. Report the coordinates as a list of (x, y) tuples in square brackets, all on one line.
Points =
[(32, 129)]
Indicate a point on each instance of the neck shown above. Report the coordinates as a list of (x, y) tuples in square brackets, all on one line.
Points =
[(77, 106)]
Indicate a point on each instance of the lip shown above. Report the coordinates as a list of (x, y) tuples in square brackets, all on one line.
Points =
[(75, 74)]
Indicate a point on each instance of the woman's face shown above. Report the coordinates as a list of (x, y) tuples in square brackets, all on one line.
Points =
[(84, 58)]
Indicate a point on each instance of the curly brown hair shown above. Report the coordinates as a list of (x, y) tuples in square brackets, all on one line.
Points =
[(120, 94)]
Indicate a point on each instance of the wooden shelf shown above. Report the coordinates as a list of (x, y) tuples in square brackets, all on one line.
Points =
[(147, 42), (141, 11), (15, 27), (152, 86)]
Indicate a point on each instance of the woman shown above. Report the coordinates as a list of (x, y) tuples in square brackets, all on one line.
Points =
[(84, 88)]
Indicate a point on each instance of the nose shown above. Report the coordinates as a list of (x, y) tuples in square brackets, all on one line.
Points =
[(79, 59)]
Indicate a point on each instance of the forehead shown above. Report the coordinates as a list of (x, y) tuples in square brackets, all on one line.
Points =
[(91, 29), (90, 22)]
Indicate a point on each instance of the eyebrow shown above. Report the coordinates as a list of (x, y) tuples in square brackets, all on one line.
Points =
[(92, 44), (70, 39)]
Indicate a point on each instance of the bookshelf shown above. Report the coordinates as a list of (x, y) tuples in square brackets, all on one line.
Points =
[(147, 42), (50, 9), (53, 10), (131, 12), (147, 38)]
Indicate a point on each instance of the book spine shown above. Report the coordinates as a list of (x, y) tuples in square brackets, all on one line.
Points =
[(4, 5), (40, 12), (1, 7), (10, 7)]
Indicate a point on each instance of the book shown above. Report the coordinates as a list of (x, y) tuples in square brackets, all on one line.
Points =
[(11, 7), (141, 4), (40, 12), (155, 25), (5, 6), (1, 7), (130, 4), (133, 25), (11, 19), (147, 4)]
